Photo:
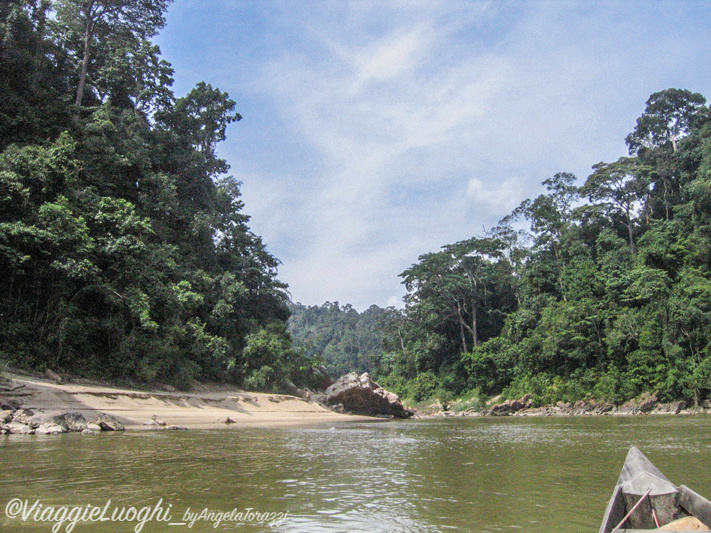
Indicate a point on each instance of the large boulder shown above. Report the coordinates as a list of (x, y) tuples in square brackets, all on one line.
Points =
[(73, 421), (361, 395), (50, 429), (502, 409), (106, 422), (671, 408), (647, 402), (19, 429), (22, 416), (320, 379), (644, 403)]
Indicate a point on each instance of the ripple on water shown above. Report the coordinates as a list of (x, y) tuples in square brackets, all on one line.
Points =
[(471, 475)]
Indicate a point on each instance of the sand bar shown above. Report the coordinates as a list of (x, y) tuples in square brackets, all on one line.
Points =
[(195, 409)]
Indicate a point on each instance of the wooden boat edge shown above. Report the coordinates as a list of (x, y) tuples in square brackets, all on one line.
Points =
[(612, 507), (693, 503)]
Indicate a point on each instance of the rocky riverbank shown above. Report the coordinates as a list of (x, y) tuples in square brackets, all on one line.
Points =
[(26, 422), (646, 404)]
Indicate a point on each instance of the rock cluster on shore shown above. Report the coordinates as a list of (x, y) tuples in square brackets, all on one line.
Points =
[(360, 395), (647, 403), (27, 422)]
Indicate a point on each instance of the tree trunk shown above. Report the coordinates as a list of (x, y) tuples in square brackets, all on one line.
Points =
[(475, 333), (84, 67), (631, 234), (560, 271), (666, 201), (462, 332), (88, 35)]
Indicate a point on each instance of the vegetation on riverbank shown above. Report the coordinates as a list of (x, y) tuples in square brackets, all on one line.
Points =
[(596, 289), (126, 254), (124, 250)]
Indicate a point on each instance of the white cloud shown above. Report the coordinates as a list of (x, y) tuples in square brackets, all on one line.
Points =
[(491, 200), (390, 59)]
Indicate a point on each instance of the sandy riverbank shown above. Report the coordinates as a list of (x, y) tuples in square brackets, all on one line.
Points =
[(198, 409)]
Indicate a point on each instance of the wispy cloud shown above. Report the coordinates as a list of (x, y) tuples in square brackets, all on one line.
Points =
[(386, 118), (383, 130)]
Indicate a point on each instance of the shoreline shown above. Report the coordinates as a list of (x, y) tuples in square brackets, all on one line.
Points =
[(540, 413), (222, 407), (646, 405), (210, 409)]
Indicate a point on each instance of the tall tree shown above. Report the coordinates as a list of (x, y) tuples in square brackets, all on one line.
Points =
[(125, 249), (92, 22), (550, 216), (619, 188), (34, 75), (667, 118), (457, 282), (200, 119)]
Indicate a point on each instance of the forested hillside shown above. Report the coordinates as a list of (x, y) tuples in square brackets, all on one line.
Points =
[(344, 339), (598, 288), (124, 250)]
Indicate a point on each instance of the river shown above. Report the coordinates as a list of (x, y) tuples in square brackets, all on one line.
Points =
[(547, 475)]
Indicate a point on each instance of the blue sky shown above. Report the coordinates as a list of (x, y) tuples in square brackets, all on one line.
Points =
[(376, 131)]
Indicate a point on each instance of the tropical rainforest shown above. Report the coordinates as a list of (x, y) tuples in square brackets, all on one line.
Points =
[(598, 289), (125, 252)]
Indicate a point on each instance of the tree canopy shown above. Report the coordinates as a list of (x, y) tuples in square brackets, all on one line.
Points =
[(125, 251), (124, 248)]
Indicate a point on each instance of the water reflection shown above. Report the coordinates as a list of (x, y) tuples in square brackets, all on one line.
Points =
[(474, 475)]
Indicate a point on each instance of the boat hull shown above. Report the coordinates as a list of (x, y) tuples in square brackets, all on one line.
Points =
[(644, 499)]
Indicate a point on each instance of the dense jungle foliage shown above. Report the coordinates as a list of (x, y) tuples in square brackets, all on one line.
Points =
[(124, 251), (341, 338), (600, 289)]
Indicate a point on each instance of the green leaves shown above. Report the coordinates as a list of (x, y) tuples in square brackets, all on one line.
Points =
[(269, 362), (619, 189), (668, 117), (344, 339), (550, 214), (32, 175), (124, 247), (200, 119), (611, 298), (461, 294), (97, 31)]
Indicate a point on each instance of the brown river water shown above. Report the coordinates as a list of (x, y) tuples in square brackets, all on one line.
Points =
[(547, 475)]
